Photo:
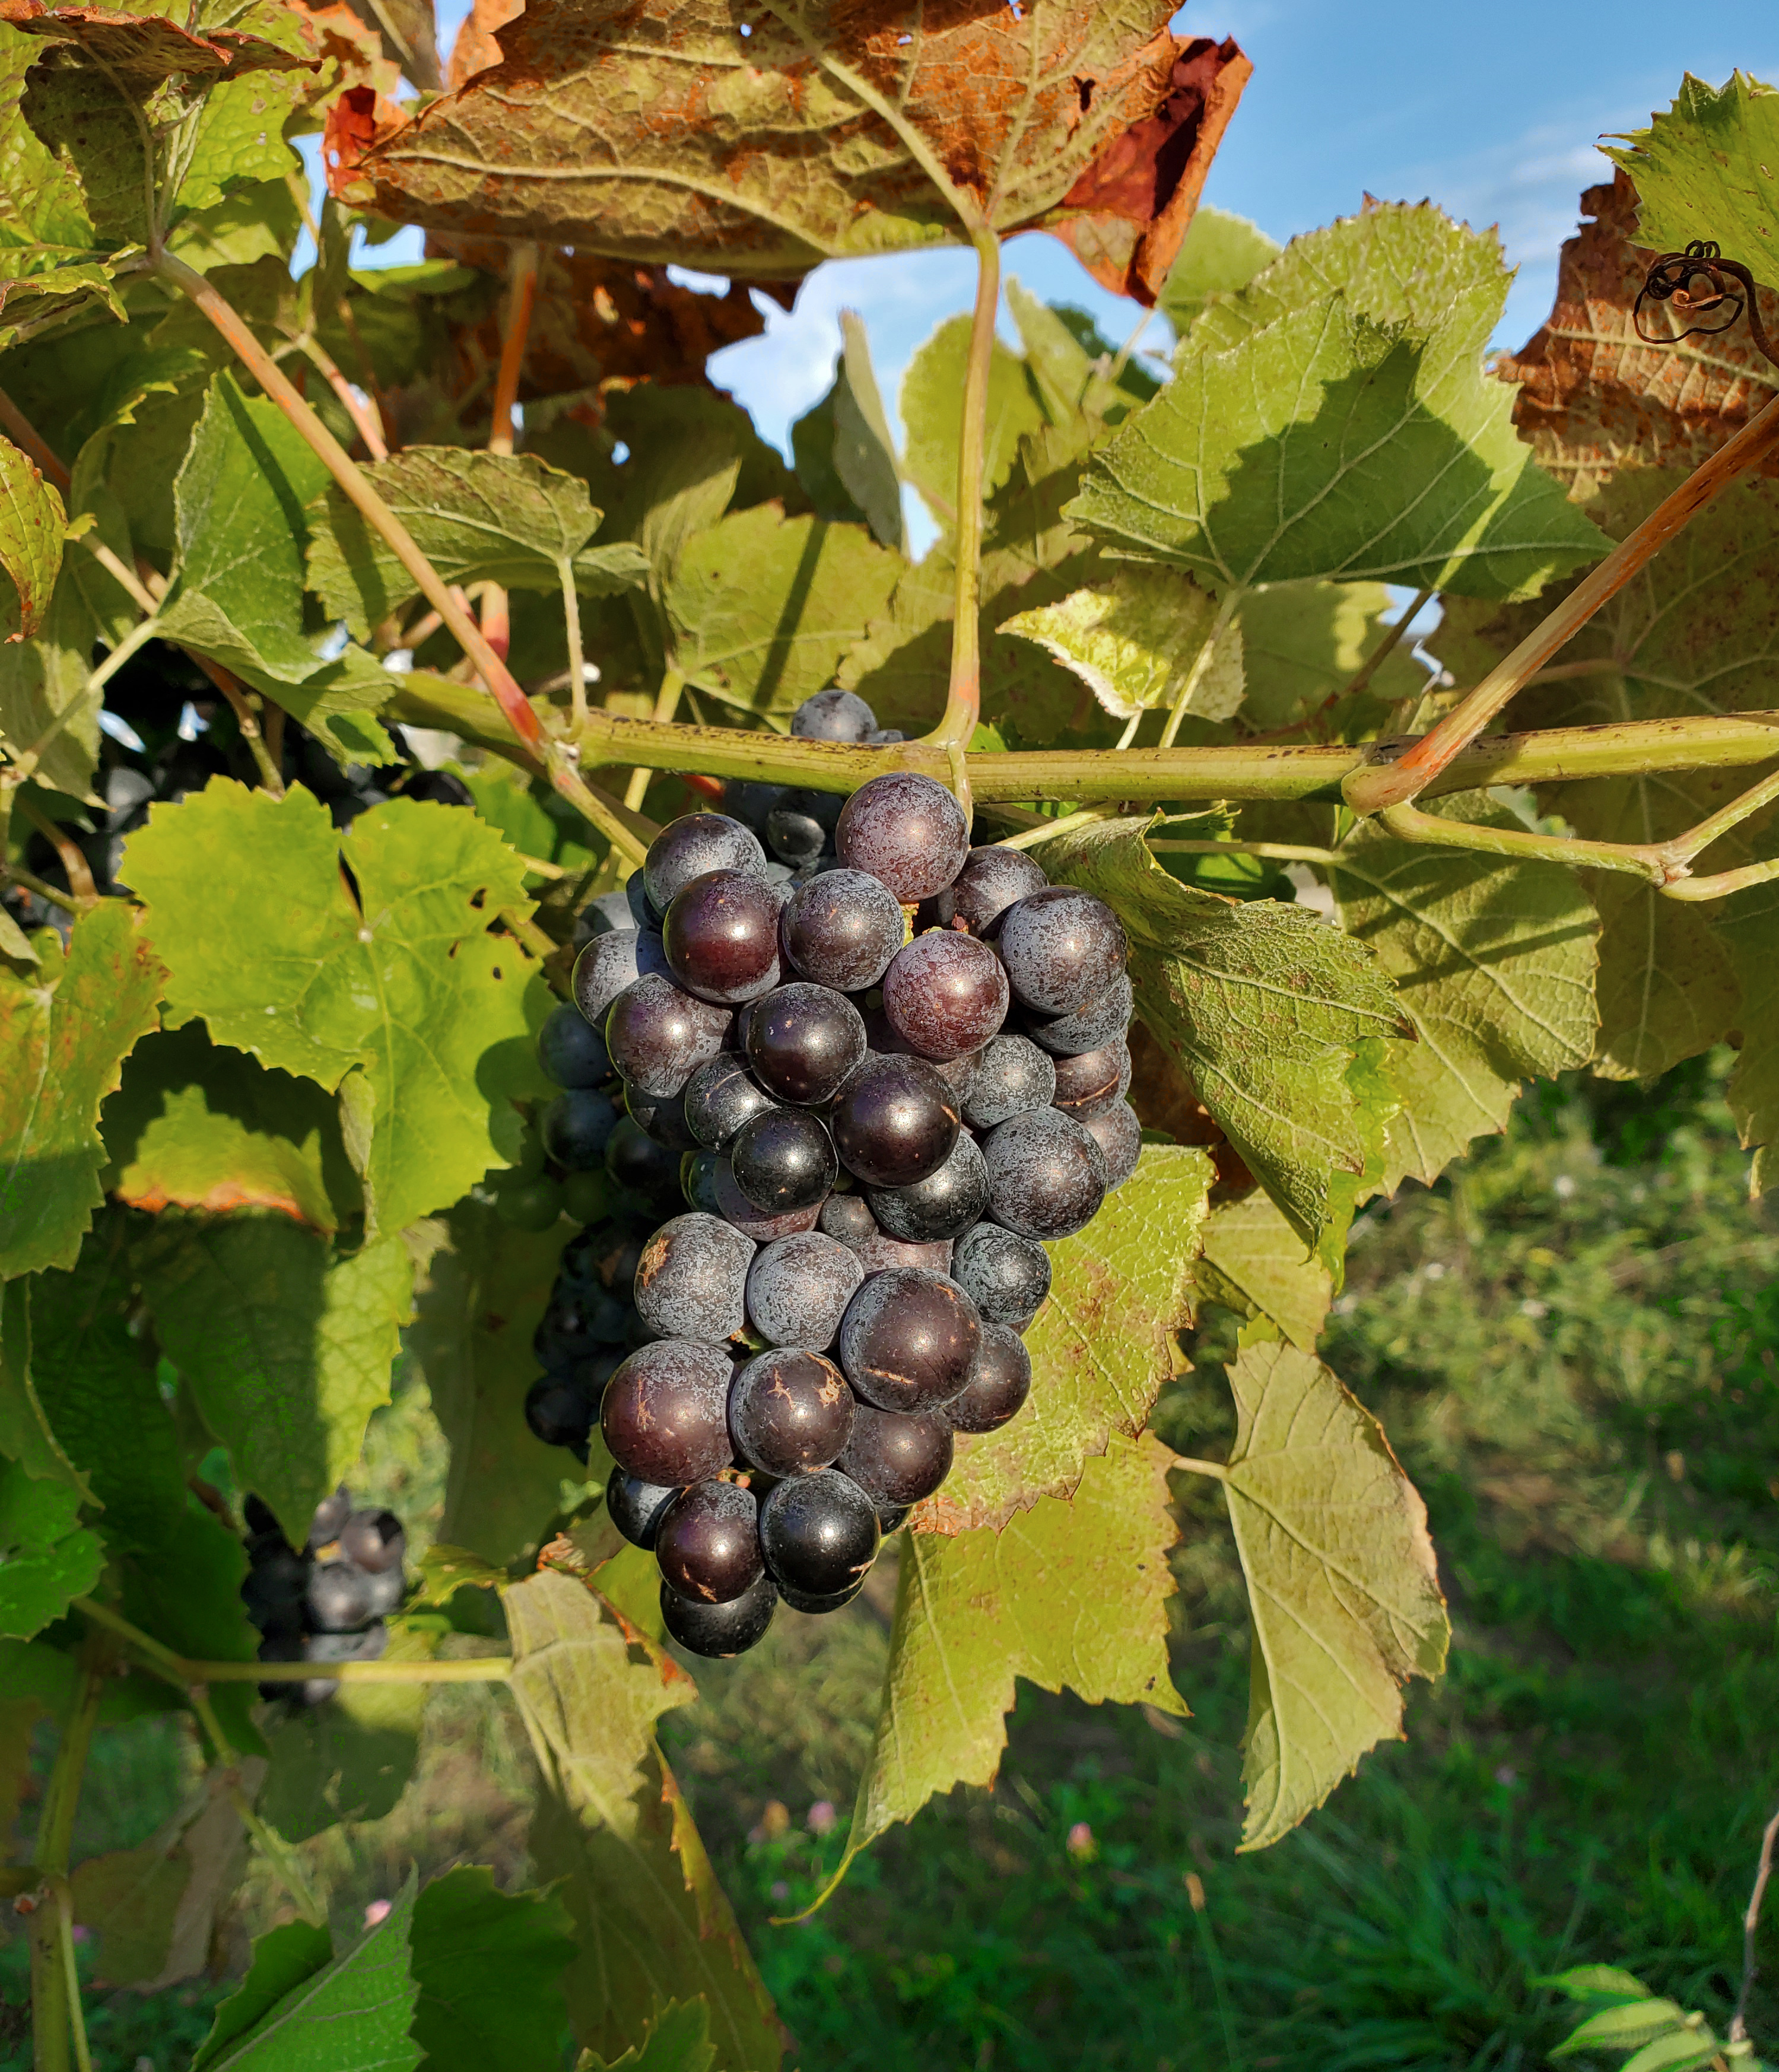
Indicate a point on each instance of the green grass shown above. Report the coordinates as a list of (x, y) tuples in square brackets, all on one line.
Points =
[(1574, 1343)]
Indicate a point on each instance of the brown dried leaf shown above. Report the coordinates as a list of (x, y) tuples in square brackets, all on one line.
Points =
[(475, 50), (1596, 397), (353, 46), (142, 50), (654, 131)]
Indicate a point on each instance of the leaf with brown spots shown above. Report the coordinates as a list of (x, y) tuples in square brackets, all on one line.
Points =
[(676, 130)]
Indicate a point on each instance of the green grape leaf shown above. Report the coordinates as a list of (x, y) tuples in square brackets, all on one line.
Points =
[(482, 1297), (1302, 643), (31, 519), (288, 1349), (764, 606), (1748, 925), (26, 1436), (489, 1966), (1256, 1264), (1219, 255), (29, 292), (240, 145), (1262, 1004), (350, 1759), (42, 214), (478, 517), (46, 1557), (1494, 960), (1704, 170), (254, 222), (738, 154), (1342, 1580), (350, 2014), (651, 1921), (1069, 1596), (402, 984), (1068, 365), (1631, 2026), (64, 1033), (1139, 639), (1335, 419), (932, 421), (196, 1126), (677, 2039), (1101, 1347), (845, 457)]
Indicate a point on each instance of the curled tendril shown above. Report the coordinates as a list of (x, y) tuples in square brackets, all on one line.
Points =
[(1696, 281)]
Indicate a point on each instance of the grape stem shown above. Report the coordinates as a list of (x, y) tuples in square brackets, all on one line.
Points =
[(1750, 1922), (521, 297), (56, 2017)]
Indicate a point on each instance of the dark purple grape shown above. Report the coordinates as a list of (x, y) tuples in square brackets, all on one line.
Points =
[(687, 848), (847, 1218), (905, 831), (1101, 1022), (895, 1122), (833, 715), (330, 1516), (610, 965), (665, 1415), (721, 937), (795, 838), (908, 1340), (708, 1543), (945, 994), (274, 1588), (603, 1257), (567, 1330), (1046, 1174), (612, 913), (750, 802), (324, 1647), (790, 1411), (1006, 1276), (990, 881), (897, 1459), (1093, 1080), (690, 1280), (1011, 1075), (802, 1041), (639, 1164), (718, 1098), (797, 1288), (375, 1541), (1000, 1383), (339, 1599), (560, 1411), (892, 1517), (818, 1532), (659, 1034), (1061, 947), (732, 1206), (841, 930), (718, 1631), (943, 1205), (783, 1160), (576, 1126), (1120, 1135), (636, 1507), (818, 1603), (661, 1117), (571, 1051)]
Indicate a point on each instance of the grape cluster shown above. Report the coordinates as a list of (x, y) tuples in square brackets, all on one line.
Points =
[(328, 1601), (880, 1071)]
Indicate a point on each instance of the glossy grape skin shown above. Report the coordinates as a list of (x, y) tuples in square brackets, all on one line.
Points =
[(790, 1411), (1046, 1174), (1005, 1275), (817, 1604), (783, 1160), (691, 1278), (341, 1597), (575, 1128), (718, 1631), (847, 1218), (945, 994), (944, 1205), (612, 913), (708, 1543), (1093, 1080), (908, 1340), (659, 1034), (895, 1122), (990, 881), (852, 1222), (610, 965), (721, 937), (559, 1410), (665, 1415), (570, 1050), (802, 1041), (1120, 1135), (687, 848), (793, 837), (720, 1096), (833, 715), (662, 1117), (639, 1165), (897, 1459), (636, 1507), (1011, 1075), (905, 830), (1062, 947), (841, 930), (1000, 1383), (1101, 1022), (718, 1192), (375, 1539), (818, 1532), (330, 1516), (797, 1288)]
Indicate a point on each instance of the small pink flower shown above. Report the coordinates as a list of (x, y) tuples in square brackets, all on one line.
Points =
[(1080, 1844), (822, 1818), (377, 1910)]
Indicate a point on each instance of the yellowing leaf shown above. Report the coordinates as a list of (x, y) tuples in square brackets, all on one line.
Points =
[(1302, 643), (31, 519), (1256, 1264), (930, 415), (1341, 1582), (1137, 640)]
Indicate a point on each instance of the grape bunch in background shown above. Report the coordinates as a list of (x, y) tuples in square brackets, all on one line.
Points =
[(884, 1069), (326, 1602)]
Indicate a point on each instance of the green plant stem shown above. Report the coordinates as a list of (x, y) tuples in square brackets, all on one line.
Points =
[(1723, 884), (1411, 825), (473, 1669), (164, 1663), (54, 2012), (1750, 1921), (74, 865), (1063, 823), (1214, 1469), (25, 436), (667, 704), (1280, 852), (286, 1865), (28, 882), (363, 420), (70, 1971), (1387, 647), (1201, 662)]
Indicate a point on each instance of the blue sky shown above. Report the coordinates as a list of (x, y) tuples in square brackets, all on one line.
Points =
[(1492, 111)]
